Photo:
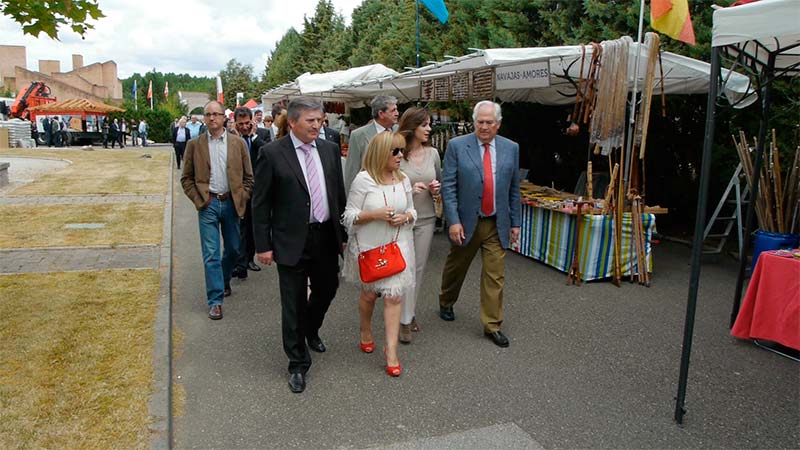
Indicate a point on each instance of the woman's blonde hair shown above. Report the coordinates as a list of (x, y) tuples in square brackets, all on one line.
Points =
[(379, 152)]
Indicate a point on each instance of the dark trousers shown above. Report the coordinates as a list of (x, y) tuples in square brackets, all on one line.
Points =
[(114, 140), (180, 147), (105, 140), (302, 315), (248, 248)]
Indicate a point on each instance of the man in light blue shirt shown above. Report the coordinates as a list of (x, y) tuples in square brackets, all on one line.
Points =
[(194, 127)]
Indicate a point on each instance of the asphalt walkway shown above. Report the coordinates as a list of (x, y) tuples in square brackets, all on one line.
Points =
[(594, 366)]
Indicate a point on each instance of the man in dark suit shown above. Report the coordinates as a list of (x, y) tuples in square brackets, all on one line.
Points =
[(330, 134), (480, 190), (115, 137), (255, 138), (180, 136), (218, 178), (297, 203)]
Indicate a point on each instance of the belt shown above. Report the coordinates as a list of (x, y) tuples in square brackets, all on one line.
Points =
[(317, 225), (221, 197)]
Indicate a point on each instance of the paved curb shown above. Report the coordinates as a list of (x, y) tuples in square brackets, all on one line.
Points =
[(79, 199), (80, 247), (160, 404)]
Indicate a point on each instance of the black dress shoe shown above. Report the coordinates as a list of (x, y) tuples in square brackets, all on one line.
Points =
[(227, 292), (239, 272), (297, 382), (446, 313), (253, 266), (498, 338), (315, 343), (215, 313)]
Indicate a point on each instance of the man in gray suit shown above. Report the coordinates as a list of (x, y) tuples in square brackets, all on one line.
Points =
[(480, 190), (384, 111)]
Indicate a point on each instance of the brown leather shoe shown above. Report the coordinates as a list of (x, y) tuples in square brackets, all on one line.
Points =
[(215, 313), (414, 325), (405, 334)]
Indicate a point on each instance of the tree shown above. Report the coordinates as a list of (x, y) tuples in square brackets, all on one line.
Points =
[(236, 77), (284, 64), (50, 15), (323, 40)]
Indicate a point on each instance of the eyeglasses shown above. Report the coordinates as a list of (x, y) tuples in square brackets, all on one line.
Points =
[(214, 114), (396, 151)]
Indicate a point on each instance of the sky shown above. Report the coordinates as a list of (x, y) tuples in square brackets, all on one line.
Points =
[(197, 37)]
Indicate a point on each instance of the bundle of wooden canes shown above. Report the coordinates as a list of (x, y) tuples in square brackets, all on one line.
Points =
[(607, 127), (777, 207)]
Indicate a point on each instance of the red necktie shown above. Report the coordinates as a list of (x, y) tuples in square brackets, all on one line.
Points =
[(487, 202)]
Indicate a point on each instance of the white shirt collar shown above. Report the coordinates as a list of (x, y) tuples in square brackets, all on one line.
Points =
[(224, 138), (297, 142), (380, 128), (480, 144)]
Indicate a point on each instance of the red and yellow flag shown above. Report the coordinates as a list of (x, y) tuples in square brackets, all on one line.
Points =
[(671, 17)]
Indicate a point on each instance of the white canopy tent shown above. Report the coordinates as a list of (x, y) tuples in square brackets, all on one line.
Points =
[(755, 30), (764, 38), (682, 75), (321, 84)]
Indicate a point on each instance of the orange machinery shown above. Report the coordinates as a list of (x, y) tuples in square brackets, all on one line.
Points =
[(36, 94)]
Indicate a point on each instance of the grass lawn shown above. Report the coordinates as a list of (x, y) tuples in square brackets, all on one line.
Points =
[(37, 226), (76, 360), (99, 172)]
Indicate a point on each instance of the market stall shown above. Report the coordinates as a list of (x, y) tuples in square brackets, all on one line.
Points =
[(598, 79), (581, 245), (84, 118)]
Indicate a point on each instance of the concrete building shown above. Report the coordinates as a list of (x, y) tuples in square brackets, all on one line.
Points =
[(97, 82)]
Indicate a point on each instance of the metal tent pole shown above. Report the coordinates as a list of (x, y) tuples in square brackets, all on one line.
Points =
[(699, 226), (766, 87), (416, 3)]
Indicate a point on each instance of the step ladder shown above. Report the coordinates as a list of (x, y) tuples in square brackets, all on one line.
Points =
[(732, 201)]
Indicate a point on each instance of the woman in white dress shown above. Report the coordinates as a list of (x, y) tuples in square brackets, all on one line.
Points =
[(379, 209), (421, 164)]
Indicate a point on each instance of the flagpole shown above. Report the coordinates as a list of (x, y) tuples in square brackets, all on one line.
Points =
[(416, 4), (631, 120), (135, 96)]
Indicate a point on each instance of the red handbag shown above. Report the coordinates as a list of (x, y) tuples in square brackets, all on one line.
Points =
[(381, 262)]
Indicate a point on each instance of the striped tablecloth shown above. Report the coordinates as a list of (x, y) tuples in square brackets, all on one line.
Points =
[(549, 236)]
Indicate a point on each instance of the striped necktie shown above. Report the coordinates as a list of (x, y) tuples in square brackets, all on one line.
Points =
[(314, 187)]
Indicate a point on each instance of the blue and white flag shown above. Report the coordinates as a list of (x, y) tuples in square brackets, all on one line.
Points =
[(438, 9), (133, 91)]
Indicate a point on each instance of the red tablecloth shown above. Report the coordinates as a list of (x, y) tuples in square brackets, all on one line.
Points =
[(771, 307)]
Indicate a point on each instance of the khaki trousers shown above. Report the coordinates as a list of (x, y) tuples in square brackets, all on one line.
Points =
[(458, 261)]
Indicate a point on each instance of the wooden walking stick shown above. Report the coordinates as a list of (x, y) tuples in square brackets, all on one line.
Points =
[(777, 182)]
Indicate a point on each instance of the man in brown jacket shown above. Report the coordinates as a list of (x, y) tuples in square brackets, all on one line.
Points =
[(218, 178)]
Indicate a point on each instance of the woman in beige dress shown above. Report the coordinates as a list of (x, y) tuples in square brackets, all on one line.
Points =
[(422, 166)]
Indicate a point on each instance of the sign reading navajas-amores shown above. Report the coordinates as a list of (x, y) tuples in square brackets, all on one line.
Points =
[(528, 75)]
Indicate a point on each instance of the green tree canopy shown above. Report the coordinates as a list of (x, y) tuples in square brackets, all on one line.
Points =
[(49, 16), (236, 77)]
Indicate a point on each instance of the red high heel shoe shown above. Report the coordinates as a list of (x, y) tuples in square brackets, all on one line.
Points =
[(367, 347), (392, 371)]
